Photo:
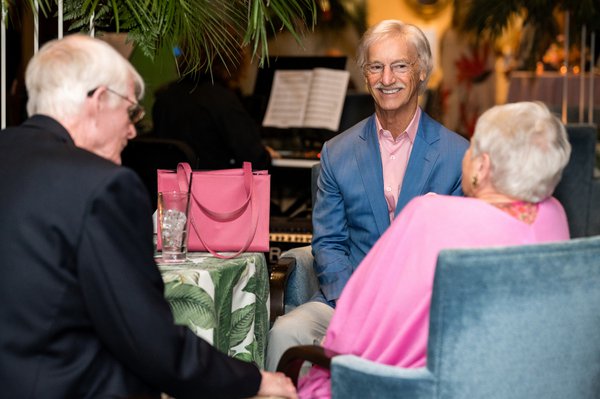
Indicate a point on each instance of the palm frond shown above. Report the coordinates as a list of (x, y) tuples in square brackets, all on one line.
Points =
[(209, 28), (44, 5), (272, 16)]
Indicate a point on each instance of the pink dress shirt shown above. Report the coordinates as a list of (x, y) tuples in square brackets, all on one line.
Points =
[(394, 159)]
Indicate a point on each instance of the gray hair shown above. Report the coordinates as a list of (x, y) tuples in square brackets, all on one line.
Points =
[(63, 71), (395, 28), (528, 149)]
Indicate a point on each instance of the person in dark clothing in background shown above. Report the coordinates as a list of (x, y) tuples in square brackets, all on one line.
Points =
[(205, 111)]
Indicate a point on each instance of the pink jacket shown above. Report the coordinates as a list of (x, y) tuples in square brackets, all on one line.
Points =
[(383, 312)]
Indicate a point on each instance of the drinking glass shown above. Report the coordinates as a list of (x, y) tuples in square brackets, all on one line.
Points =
[(173, 209)]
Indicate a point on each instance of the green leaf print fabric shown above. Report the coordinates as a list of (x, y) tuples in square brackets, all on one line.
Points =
[(223, 301)]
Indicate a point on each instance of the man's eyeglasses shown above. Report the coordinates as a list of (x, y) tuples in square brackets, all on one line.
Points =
[(136, 111), (397, 68)]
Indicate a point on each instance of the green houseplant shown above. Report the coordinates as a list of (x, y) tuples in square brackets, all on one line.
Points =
[(209, 28)]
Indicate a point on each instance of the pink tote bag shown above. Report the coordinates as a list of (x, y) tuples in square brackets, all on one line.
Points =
[(229, 208)]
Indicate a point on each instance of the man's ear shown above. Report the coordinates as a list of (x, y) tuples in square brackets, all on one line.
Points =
[(95, 99), (96, 93)]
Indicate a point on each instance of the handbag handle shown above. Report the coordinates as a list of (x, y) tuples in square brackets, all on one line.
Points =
[(184, 170)]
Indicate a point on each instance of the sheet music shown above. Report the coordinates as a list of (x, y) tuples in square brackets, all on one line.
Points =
[(289, 95), (326, 98), (305, 98)]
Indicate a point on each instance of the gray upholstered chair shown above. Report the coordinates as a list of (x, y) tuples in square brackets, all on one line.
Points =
[(511, 322), (579, 189), (293, 279)]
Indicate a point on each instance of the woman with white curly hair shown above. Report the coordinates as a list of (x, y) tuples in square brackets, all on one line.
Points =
[(515, 160)]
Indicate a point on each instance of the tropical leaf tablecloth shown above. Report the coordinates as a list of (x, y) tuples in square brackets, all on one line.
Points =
[(224, 301)]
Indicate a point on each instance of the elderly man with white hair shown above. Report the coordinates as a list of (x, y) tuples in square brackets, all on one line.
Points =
[(82, 308)]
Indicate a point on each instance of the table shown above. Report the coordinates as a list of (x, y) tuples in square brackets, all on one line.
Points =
[(223, 301)]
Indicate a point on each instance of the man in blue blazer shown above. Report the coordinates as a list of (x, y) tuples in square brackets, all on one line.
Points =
[(371, 171)]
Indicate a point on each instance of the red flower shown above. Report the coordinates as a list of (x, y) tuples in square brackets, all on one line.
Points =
[(473, 69)]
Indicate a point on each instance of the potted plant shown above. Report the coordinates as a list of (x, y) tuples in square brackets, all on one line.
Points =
[(211, 28)]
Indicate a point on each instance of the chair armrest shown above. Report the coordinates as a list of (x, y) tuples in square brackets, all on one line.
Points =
[(292, 359), (303, 282), (277, 285), (355, 377)]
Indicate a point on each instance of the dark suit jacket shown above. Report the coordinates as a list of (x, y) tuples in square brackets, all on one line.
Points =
[(350, 212), (82, 311)]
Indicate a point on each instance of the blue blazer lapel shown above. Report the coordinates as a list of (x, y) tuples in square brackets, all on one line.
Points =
[(423, 157), (368, 158)]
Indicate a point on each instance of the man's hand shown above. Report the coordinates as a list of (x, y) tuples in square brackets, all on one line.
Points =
[(276, 384)]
